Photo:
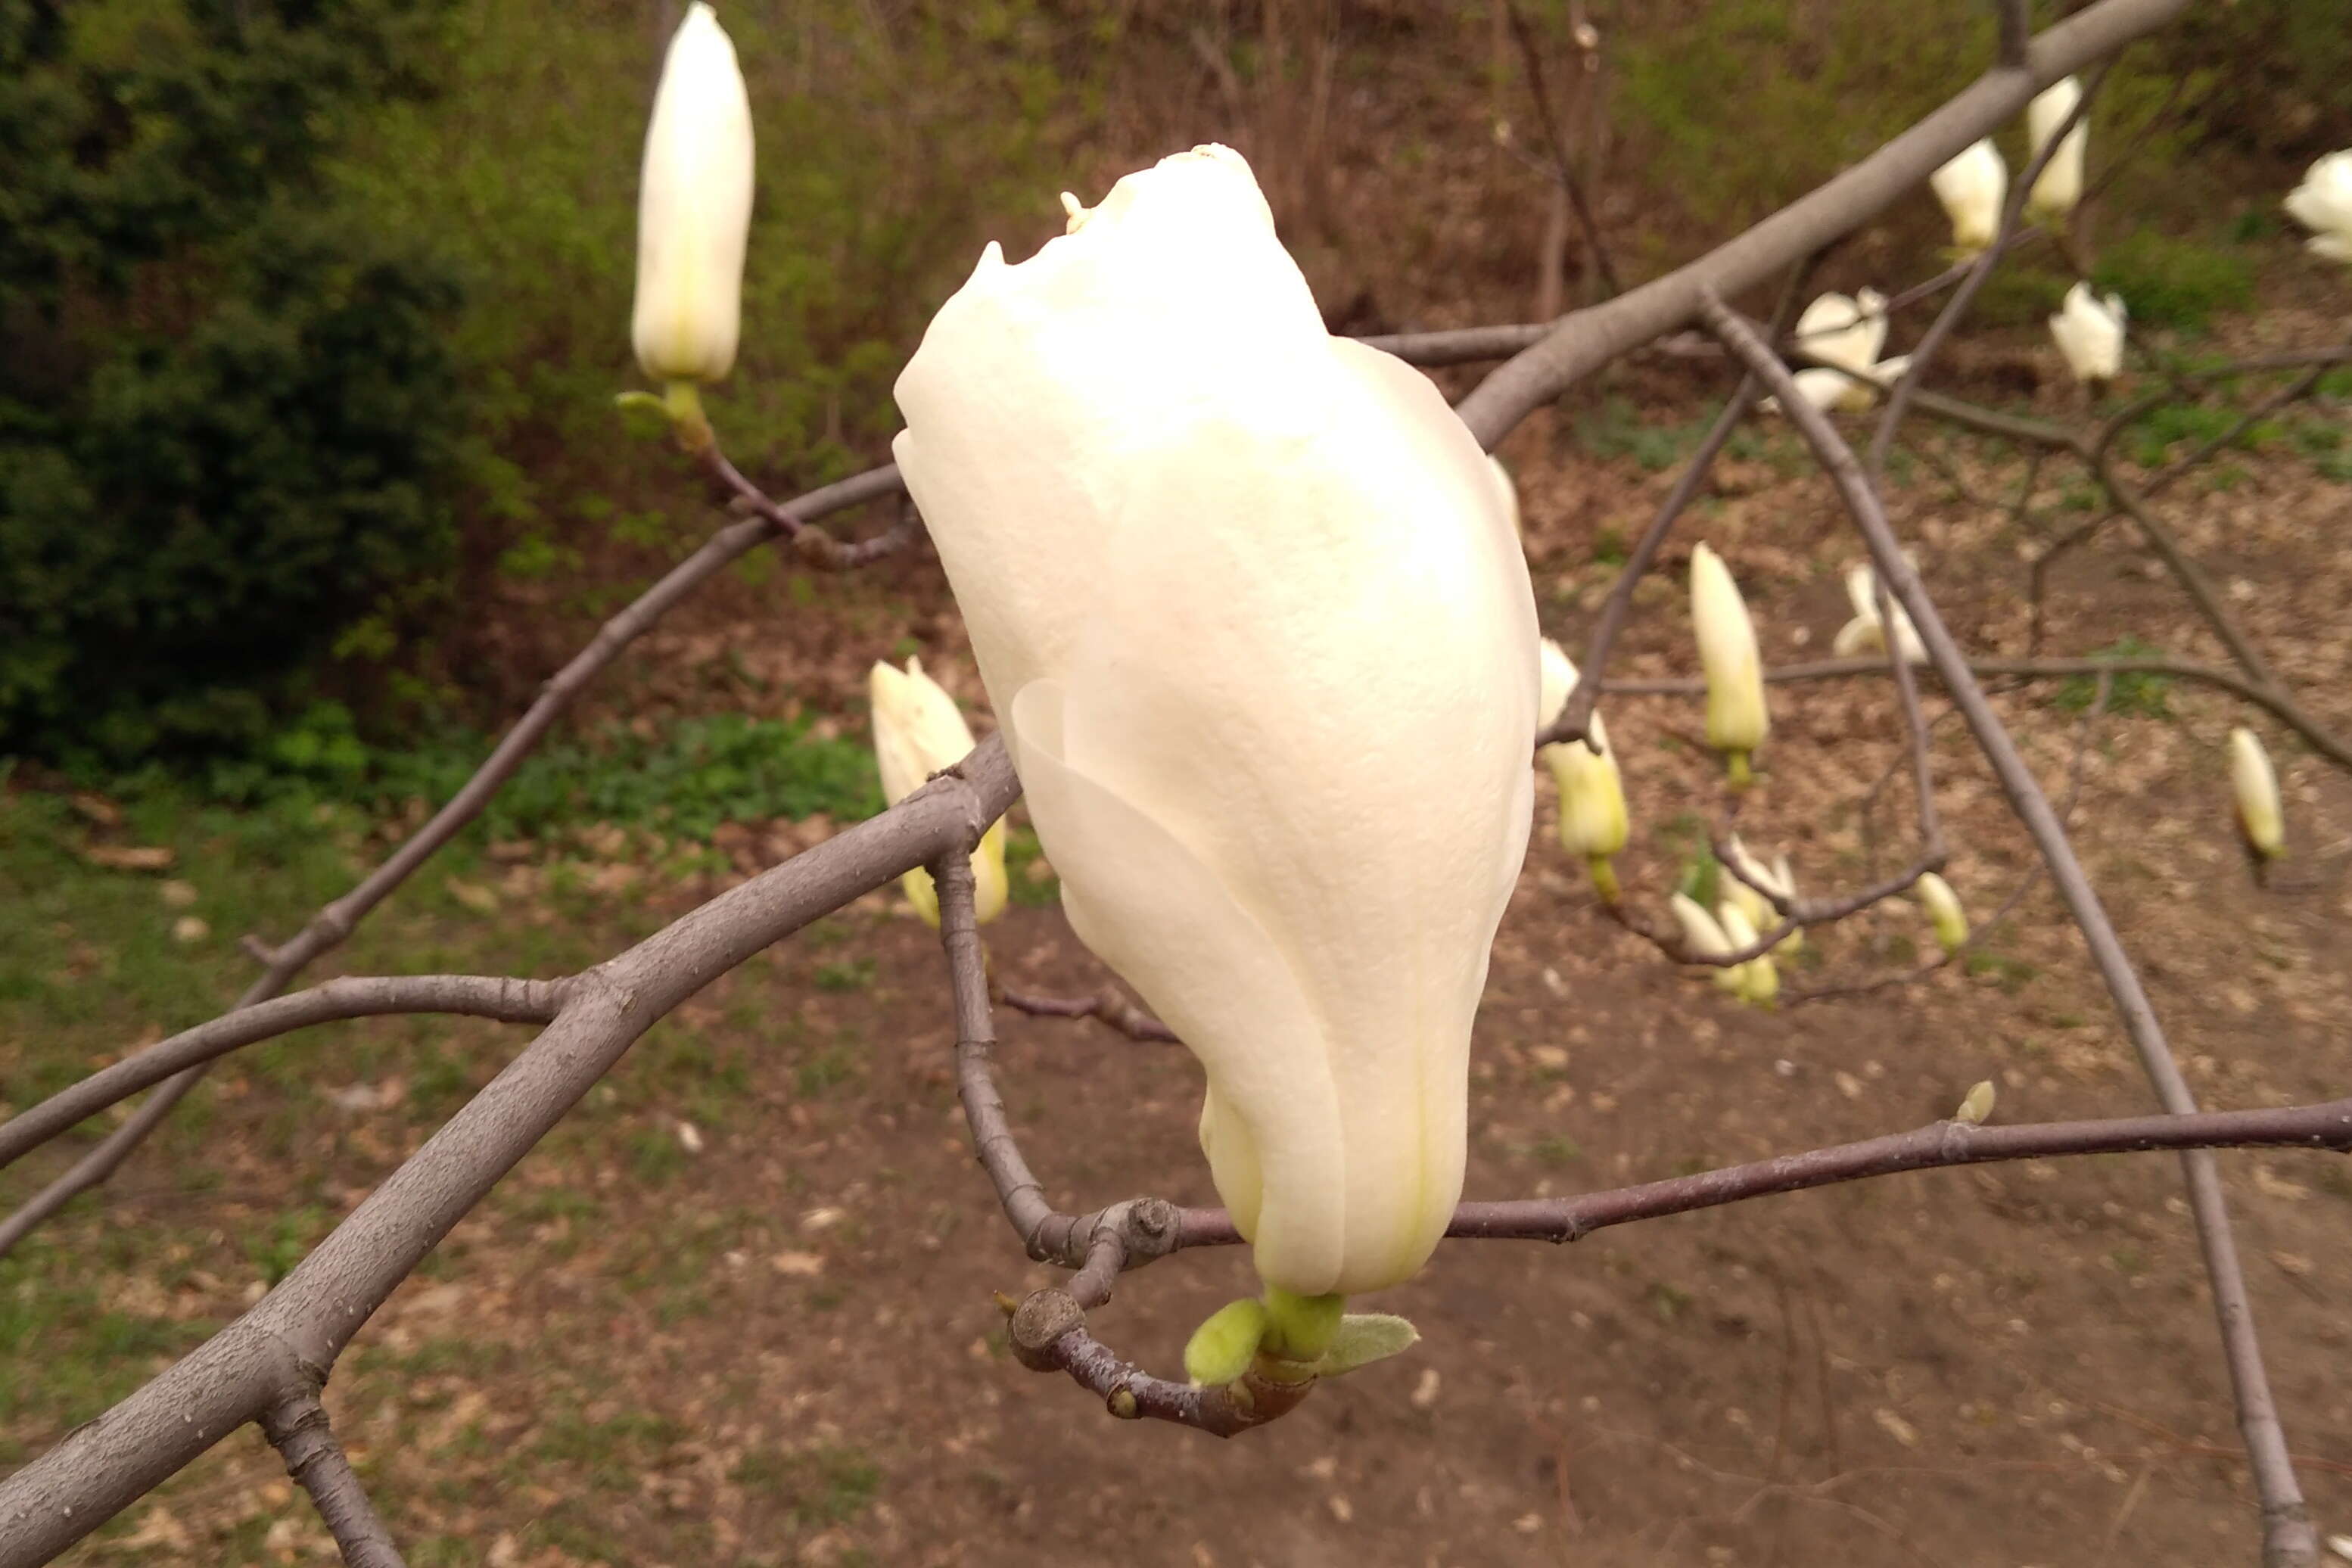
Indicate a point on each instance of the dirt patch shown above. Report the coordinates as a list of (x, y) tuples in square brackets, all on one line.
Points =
[(738, 1309)]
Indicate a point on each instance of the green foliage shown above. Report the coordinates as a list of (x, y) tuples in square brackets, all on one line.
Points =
[(1737, 106), (2171, 282), (2133, 693), (226, 414), (2153, 437), (690, 776)]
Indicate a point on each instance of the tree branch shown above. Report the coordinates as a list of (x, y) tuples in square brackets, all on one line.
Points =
[(2278, 704), (330, 925), (509, 1000), (105, 1464), (2287, 1532), (297, 1427), (1585, 340)]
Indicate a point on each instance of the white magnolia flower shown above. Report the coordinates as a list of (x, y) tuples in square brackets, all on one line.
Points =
[(2323, 203), (2059, 184), (1844, 330), (1592, 818), (1758, 979), (1864, 633), (2089, 332), (1740, 884), (2255, 787), (1510, 493), (1971, 187), (1246, 599), (1736, 715), (694, 208), (1826, 387), (918, 731), (1704, 935), (1943, 911)]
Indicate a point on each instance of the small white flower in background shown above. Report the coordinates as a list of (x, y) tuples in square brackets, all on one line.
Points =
[(694, 208), (1757, 981), (2323, 203), (1740, 885), (2059, 185), (1844, 330), (1510, 491), (1592, 817), (1973, 187), (918, 732), (1737, 714), (2260, 820), (1706, 938), (2089, 332), (1943, 911), (1247, 604), (1865, 632)]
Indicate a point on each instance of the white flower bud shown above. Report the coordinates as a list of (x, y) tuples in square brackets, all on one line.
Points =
[(1943, 911), (2323, 203), (694, 208), (2059, 185), (1736, 715), (1592, 818), (2260, 818), (918, 731), (1247, 603), (2089, 332), (1971, 187)]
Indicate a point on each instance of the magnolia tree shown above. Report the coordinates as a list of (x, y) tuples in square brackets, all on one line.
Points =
[(1202, 546)]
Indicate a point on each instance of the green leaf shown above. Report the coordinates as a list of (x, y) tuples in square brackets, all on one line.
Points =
[(1364, 1338), (1221, 1349)]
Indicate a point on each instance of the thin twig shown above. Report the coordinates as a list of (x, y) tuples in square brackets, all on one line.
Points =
[(332, 924), (506, 999), (1937, 1146), (1563, 168), (297, 1427), (2287, 1533), (2277, 703), (1106, 1006)]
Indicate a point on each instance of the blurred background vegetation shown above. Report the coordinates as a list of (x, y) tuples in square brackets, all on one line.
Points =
[(312, 311)]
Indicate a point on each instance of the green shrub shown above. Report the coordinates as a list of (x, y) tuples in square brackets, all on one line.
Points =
[(2175, 282), (226, 415)]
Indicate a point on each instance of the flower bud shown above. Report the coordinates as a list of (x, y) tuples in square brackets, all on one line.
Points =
[(2089, 332), (1592, 818), (1971, 187), (2260, 820), (918, 732), (694, 208), (1704, 937), (1978, 1105), (1943, 911), (1865, 632), (2323, 203), (2059, 184), (1746, 874), (1737, 716), (1757, 981)]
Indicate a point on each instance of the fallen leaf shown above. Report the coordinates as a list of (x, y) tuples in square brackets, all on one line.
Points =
[(1894, 1426), (799, 1264), (130, 856)]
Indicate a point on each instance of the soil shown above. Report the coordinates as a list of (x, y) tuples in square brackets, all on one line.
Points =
[(742, 1312)]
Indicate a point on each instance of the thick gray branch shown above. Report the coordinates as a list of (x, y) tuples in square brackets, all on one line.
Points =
[(306, 1322)]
